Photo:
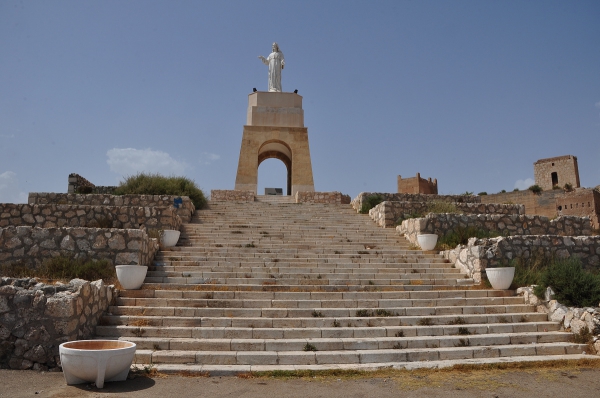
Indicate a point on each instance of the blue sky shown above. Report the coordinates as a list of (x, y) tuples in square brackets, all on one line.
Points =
[(469, 92)]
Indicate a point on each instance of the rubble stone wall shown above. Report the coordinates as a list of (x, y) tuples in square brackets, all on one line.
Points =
[(77, 182), (322, 197), (479, 254), (30, 246), (386, 213), (410, 197), (185, 210), (225, 195), (36, 318), (53, 215), (505, 225)]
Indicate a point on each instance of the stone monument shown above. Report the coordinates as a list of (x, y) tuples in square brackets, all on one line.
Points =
[(275, 129)]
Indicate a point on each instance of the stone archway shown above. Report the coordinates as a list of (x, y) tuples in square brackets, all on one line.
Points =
[(275, 129), (275, 149)]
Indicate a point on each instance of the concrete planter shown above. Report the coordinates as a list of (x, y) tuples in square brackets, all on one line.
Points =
[(501, 277), (169, 237), (131, 277), (96, 361), (427, 241)]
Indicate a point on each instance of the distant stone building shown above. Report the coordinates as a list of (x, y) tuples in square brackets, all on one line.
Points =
[(582, 203), (556, 172), (417, 185)]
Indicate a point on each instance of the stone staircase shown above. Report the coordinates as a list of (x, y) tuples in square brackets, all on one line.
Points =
[(271, 285)]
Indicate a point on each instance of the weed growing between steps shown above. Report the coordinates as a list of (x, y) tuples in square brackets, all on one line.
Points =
[(483, 375)]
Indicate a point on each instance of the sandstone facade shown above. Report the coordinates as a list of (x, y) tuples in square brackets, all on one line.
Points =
[(36, 318), (556, 171), (417, 185)]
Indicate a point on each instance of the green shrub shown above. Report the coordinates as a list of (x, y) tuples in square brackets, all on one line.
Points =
[(461, 235), (573, 285), (535, 189), (156, 184), (516, 190), (482, 193), (64, 268), (503, 191), (438, 207), (370, 202), (568, 187), (528, 271)]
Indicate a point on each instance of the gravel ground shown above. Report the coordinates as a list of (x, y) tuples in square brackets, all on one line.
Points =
[(556, 381)]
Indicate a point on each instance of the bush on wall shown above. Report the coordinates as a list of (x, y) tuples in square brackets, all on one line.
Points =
[(156, 184)]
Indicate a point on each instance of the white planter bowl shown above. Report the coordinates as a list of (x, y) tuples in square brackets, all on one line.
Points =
[(427, 241), (500, 278), (131, 277), (169, 237), (86, 361)]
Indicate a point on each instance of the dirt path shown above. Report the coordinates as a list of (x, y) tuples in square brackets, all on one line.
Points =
[(571, 381)]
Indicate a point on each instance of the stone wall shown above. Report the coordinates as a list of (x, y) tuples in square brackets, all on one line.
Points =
[(185, 210), (225, 195), (322, 197), (505, 225), (386, 214), (78, 184), (30, 246), (479, 254), (582, 203), (542, 204), (52, 215), (407, 197), (36, 318), (572, 319)]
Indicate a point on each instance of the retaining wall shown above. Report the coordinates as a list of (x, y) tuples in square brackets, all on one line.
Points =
[(185, 210), (505, 225), (224, 195), (322, 197), (53, 215), (387, 213), (36, 318), (410, 197), (30, 246), (479, 254)]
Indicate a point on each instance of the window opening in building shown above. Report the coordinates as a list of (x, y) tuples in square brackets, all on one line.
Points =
[(554, 178)]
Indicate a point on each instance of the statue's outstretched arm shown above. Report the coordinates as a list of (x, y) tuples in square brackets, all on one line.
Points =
[(263, 59)]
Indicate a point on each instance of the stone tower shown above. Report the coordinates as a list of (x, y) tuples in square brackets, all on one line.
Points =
[(557, 171), (275, 129)]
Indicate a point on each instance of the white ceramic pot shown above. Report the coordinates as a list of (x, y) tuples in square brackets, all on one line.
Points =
[(427, 241), (131, 277), (86, 361), (169, 237), (501, 277)]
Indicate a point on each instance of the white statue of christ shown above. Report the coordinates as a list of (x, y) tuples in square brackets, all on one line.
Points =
[(276, 62)]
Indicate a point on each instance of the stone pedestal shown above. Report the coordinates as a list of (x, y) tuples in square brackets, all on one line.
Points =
[(275, 129)]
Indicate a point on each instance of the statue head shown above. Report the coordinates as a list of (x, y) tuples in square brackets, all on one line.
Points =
[(275, 47)]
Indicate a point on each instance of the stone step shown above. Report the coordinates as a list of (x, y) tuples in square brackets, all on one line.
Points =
[(295, 296), (147, 304), (147, 342), (221, 320), (348, 356)]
